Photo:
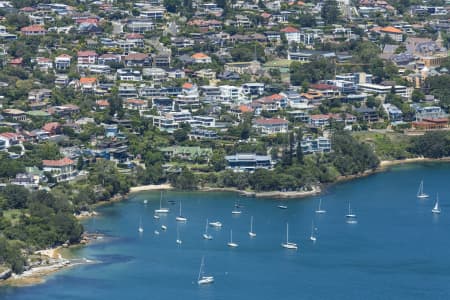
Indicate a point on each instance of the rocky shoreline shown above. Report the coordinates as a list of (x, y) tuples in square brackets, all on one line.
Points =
[(46, 262)]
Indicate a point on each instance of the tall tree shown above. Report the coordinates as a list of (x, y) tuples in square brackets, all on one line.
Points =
[(330, 12)]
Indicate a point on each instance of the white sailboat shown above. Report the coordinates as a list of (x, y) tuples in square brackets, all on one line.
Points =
[(289, 245), (179, 242), (161, 209), (215, 224), (320, 210), (251, 233), (350, 213), (436, 209), (140, 229), (236, 210), (202, 279), (180, 218), (231, 244), (145, 201), (420, 193), (312, 237), (207, 236), (281, 206)]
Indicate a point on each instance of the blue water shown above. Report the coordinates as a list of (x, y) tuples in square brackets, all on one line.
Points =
[(397, 250)]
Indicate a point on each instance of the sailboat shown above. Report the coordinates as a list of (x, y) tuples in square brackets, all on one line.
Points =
[(289, 245), (140, 229), (180, 218), (420, 193), (145, 201), (320, 210), (312, 237), (350, 213), (436, 209), (207, 236), (179, 242), (202, 279), (231, 243), (215, 224), (236, 210), (282, 206), (161, 209), (251, 233)]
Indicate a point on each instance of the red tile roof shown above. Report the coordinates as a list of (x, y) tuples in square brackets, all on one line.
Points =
[(135, 101), (289, 29), (32, 28), (9, 135), (88, 80), (86, 53), (58, 163), (187, 85), (319, 117), (272, 121), (391, 29)]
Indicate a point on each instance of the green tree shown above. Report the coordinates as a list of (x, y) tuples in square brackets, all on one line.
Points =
[(330, 12)]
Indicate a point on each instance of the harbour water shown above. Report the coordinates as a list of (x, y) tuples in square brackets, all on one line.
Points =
[(397, 250)]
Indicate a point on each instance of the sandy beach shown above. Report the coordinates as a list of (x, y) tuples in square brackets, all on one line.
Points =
[(151, 187)]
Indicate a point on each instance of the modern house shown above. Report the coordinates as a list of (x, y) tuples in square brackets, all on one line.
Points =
[(248, 162)]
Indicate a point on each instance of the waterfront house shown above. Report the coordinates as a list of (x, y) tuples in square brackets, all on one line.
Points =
[(187, 153), (61, 170), (241, 162), (315, 145)]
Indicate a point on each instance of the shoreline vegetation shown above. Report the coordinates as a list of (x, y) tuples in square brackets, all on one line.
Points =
[(52, 260)]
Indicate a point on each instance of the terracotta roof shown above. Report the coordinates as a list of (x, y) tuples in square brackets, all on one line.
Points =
[(32, 28), (199, 55), (102, 102), (51, 126), (9, 135), (323, 86), (273, 121), (64, 56), (89, 20), (289, 29), (270, 99), (245, 109), (58, 163), (136, 56), (16, 61), (86, 53), (187, 85), (319, 117), (43, 59), (88, 80), (134, 36), (391, 29), (135, 101)]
